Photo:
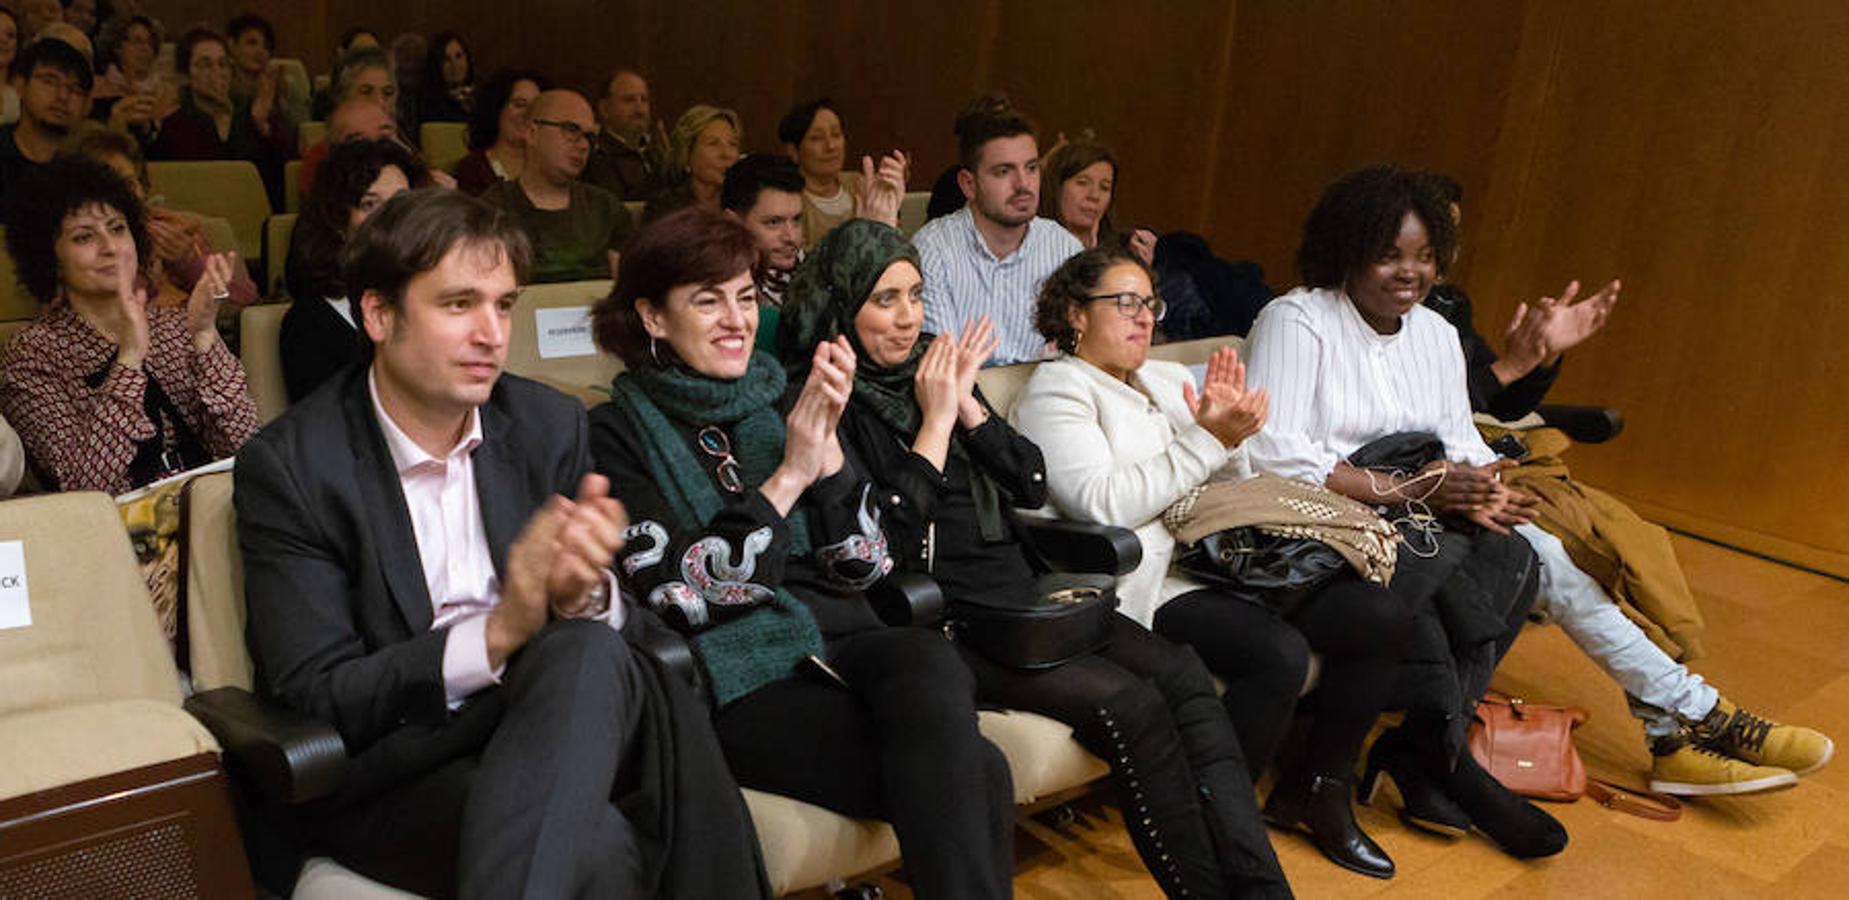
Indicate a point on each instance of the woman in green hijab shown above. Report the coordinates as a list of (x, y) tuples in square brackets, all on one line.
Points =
[(948, 472)]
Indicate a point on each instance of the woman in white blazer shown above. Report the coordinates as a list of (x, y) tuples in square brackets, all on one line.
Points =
[(1124, 437)]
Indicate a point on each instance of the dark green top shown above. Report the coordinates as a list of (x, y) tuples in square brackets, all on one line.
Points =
[(569, 244)]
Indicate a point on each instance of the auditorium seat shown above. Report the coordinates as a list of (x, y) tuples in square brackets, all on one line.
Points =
[(228, 189), (276, 234), (912, 211), (444, 143), (311, 133), (109, 788), (586, 372), (259, 334), (292, 186)]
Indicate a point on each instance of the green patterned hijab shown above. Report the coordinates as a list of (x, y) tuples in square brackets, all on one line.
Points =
[(823, 298)]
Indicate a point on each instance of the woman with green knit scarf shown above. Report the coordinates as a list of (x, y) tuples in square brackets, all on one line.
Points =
[(755, 534), (949, 472)]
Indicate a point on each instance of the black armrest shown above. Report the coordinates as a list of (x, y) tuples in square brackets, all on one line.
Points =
[(1585, 424), (293, 757), (903, 598), (669, 648), (1084, 546)]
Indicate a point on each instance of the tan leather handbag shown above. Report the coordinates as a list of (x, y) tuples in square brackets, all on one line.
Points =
[(1529, 748)]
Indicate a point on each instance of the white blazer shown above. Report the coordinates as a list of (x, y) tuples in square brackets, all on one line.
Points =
[(1119, 456)]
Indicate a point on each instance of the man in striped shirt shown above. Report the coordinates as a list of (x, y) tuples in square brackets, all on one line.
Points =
[(989, 258)]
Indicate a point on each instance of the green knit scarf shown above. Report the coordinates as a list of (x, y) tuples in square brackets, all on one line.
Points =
[(765, 644)]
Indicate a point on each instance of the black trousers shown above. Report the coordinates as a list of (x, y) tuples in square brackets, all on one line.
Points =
[(898, 742), (530, 813), (1359, 629), (1148, 708)]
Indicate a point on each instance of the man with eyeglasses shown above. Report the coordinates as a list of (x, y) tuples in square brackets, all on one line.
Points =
[(53, 81), (576, 228), (989, 258)]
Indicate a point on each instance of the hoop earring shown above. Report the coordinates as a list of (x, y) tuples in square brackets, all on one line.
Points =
[(654, 353)]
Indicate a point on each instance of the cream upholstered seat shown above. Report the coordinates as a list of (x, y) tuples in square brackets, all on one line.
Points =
[(260, 350), (444, 143), (277, 233), (912, 211), (310, 134), (109, 786), (586, 372), (227, 189), (292, 186)]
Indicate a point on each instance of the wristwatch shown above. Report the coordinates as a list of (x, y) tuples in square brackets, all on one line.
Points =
[(597, 602)]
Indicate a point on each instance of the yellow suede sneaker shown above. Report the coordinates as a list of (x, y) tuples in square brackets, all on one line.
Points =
[(1687, 769), (1735, 732)]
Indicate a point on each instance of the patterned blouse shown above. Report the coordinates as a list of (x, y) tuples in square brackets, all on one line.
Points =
[(84, 419)]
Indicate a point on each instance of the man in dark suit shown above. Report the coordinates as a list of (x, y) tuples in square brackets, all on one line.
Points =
[(416, 577)]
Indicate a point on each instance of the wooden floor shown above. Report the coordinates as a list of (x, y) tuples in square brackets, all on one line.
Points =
[(1778, 643)]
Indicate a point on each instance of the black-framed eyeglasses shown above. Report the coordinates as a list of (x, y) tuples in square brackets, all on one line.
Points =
[(571, 130), (1129, 303), (714, 443)]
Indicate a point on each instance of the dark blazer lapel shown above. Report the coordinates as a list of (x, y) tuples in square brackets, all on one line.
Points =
[(498, 485), (393, 535)]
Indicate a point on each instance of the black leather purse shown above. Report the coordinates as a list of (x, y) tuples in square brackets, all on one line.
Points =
[(1271, 571), (1069, 617)]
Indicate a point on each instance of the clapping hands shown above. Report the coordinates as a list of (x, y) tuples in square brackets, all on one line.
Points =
[(1224, 406), (882, 188), (1548, 327)]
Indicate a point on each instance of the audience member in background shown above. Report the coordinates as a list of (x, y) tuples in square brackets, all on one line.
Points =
[(448, 90), (989, 258), (754, 533), (179, 248), (765, 192), (1126, 438), (109, 391), (408, 53), (704, 145), (68, 33), (1083, 185), (365, 73), (628, 158), (320, 332), (131, 96), (1700, 742), (948, 474), (418, 578), (210, 125), (498, 129), (53, 81), (354, 120), (576, 228), (253, 70), (9, 48), (354, 38), (35, 16), (811, 135), (12, 460), (81, 14), (1353, 364)]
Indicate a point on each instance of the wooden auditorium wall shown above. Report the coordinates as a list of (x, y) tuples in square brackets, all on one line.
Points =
[(1694, 150)]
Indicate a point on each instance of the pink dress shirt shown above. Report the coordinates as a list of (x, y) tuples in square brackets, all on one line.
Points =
[(452, 545)]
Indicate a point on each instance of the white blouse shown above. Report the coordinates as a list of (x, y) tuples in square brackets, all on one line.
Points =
[(1337, 384), (1119, 456)]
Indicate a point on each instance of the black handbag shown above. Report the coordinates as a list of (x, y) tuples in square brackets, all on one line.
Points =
[(1266, 569), (1068, 616)]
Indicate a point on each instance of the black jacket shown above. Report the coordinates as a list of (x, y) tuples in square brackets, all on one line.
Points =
[(315, 344), (1487, 393)]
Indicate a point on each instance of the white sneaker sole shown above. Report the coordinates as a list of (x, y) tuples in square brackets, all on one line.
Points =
[(1768, 783), (1829, 750)]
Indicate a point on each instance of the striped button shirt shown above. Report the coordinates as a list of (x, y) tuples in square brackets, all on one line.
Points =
[(963, 281), (1336, 384)]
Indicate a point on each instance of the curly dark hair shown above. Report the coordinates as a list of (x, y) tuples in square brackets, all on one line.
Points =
[(1358, 219), (321, 230), (47, 195), (692, 246), (485, 121), (1071, 286)]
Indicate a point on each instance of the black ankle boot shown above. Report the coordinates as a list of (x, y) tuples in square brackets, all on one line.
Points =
[(1417, 769), (1320, 806), (1520, 828)]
